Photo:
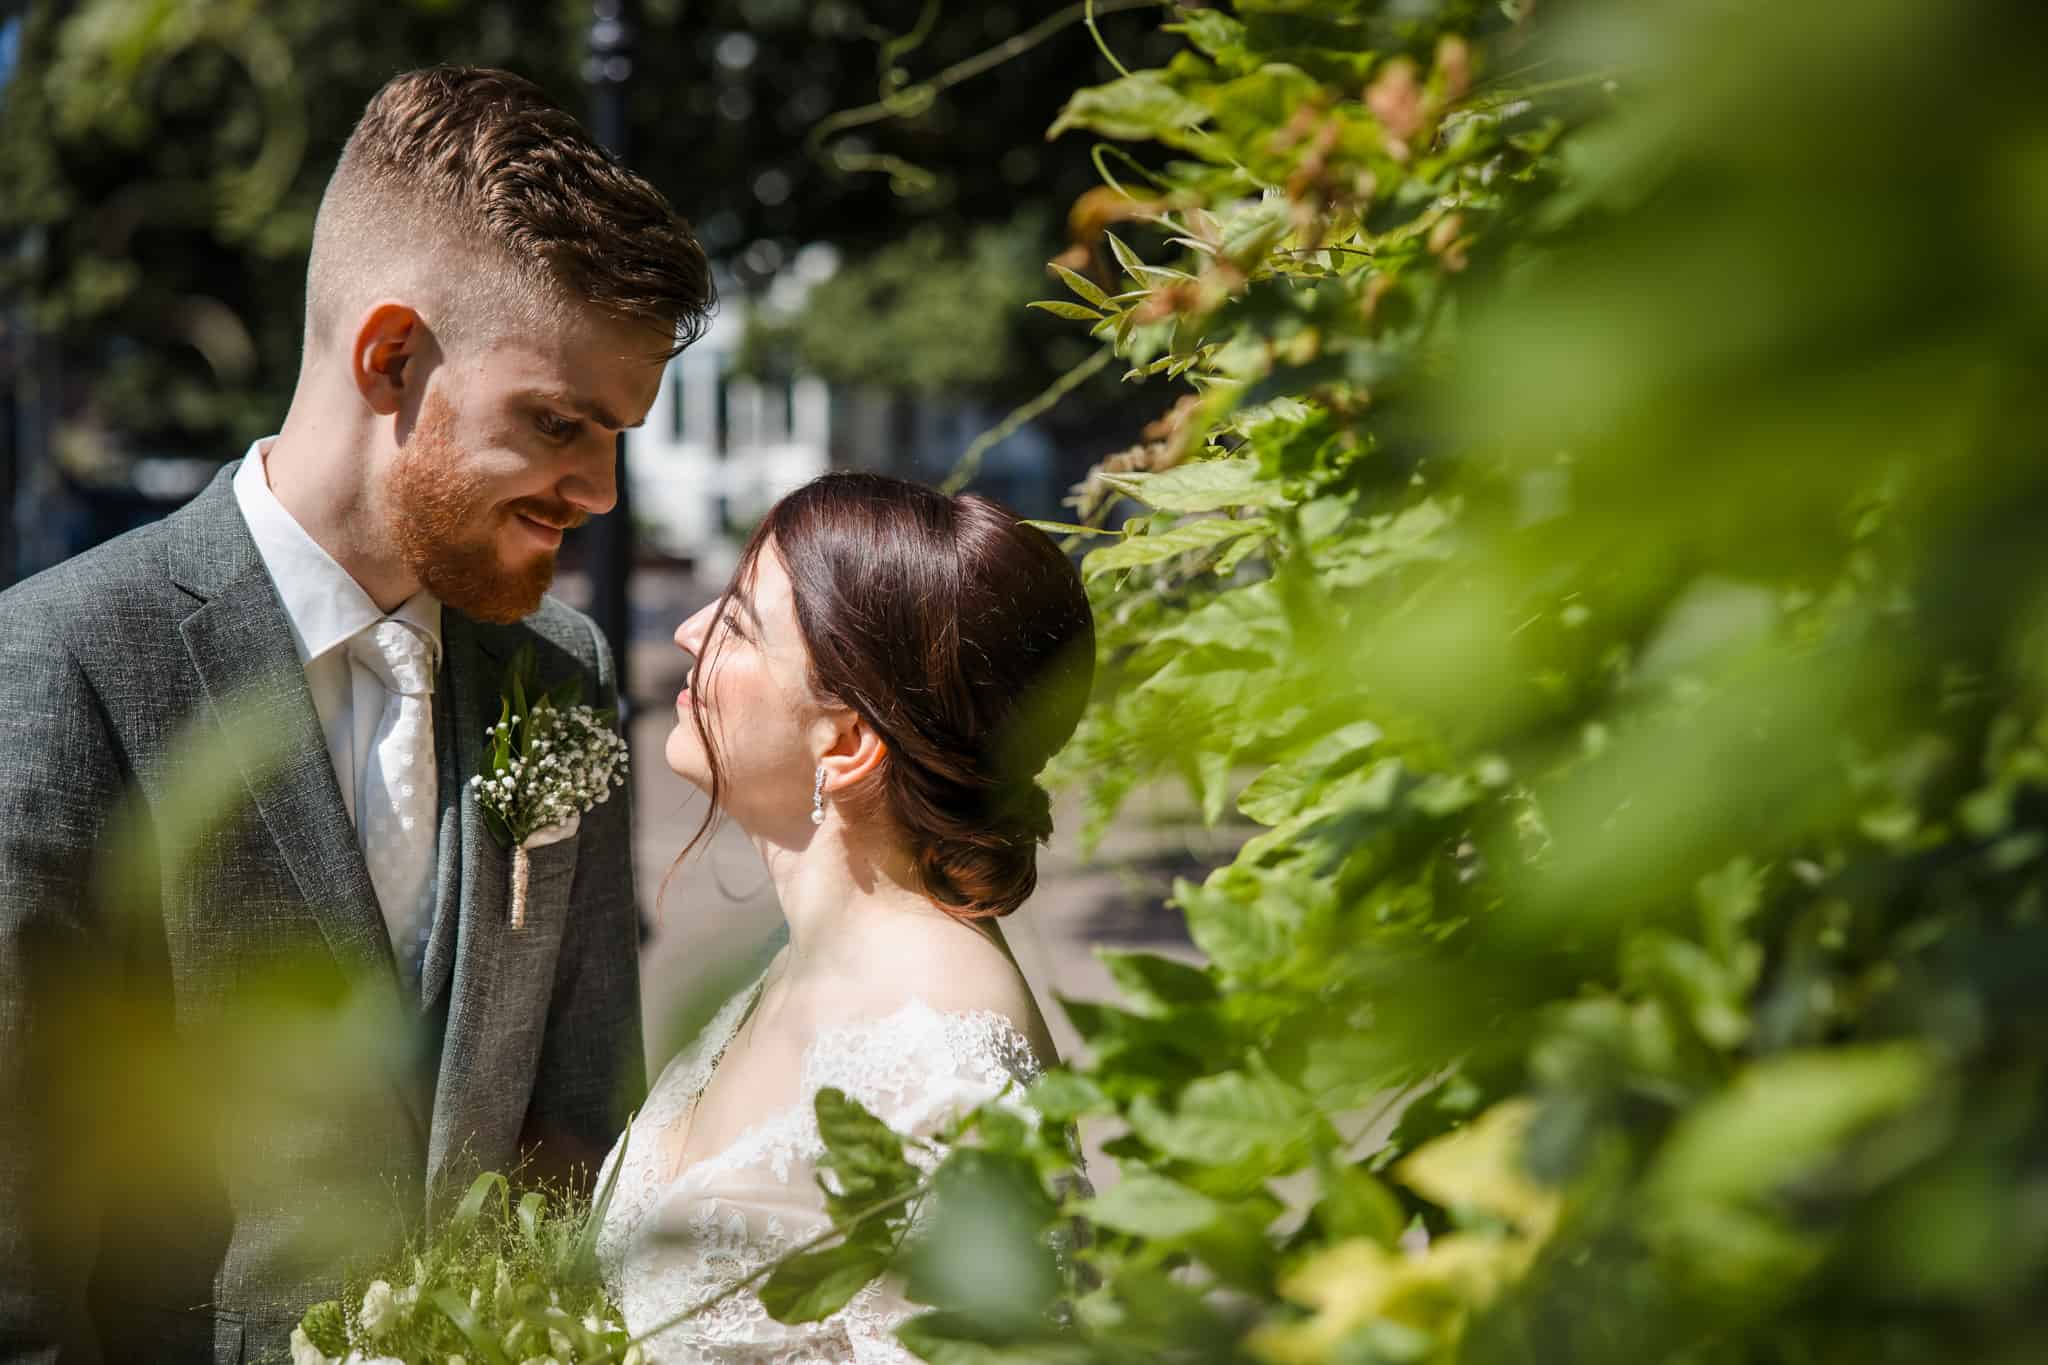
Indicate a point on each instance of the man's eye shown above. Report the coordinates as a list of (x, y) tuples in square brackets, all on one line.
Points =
[(555, 428)]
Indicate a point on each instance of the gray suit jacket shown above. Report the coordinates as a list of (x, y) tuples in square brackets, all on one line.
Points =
[(214, 1090)]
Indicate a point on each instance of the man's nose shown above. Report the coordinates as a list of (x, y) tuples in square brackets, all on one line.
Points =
[(593, 486)]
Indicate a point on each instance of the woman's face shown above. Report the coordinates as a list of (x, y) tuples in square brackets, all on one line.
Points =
[(750, 684)]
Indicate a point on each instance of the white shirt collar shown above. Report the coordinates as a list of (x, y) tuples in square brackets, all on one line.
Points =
[(326, 606)]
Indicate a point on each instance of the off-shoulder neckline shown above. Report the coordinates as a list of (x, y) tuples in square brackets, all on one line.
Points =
[(755, 1135)]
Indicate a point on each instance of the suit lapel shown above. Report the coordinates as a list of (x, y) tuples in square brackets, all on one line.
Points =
[(241, 648), (499, 979), (457, 746)]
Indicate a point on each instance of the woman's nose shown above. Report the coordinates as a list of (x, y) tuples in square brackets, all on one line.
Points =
[(690, 634)]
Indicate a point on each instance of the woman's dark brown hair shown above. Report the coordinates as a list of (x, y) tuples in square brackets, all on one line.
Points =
[(963, 638)]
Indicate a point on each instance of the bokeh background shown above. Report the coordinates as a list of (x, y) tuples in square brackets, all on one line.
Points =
[(872, 181)]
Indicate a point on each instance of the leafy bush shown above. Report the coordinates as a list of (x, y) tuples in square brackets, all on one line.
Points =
[(496, 1282), (1597, 538)]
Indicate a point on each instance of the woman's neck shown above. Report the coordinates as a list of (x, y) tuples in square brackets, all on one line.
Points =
[(833, 896)]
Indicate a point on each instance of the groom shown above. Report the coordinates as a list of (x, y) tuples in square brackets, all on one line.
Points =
[(259, 987)]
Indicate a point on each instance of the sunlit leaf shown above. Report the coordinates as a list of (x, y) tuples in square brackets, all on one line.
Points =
[(1140, 106), (1205, 486), (1134, 551)]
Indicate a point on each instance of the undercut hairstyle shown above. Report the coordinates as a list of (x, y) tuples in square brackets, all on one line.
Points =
[(468, 194), (963, 638)]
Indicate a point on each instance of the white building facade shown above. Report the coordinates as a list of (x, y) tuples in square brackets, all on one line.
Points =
[(718, 449)]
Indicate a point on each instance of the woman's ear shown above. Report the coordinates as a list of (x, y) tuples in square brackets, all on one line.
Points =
[(387, 342), (853, 752)]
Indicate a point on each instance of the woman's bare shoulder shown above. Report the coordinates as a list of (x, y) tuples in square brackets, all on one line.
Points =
[(952, 968)]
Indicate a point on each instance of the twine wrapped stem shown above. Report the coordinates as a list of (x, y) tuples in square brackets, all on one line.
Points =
[(522, 873)]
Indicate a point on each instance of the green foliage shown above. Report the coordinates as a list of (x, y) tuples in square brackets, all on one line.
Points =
[(921, 315), (1596, 539), (873, 1184), (499, 1281)]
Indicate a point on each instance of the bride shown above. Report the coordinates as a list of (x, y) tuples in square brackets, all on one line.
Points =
[(871, 700)]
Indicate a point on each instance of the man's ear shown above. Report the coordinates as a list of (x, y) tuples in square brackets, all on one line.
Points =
[(388, 343)]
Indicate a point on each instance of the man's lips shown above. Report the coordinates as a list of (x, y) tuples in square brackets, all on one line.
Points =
[(548, 533)]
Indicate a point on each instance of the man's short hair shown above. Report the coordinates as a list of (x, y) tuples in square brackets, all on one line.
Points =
[(468, 193)]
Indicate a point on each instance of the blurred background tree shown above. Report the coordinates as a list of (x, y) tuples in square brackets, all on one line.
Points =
[(161, 162)]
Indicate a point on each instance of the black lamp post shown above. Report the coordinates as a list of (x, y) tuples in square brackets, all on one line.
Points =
[(609, 539)]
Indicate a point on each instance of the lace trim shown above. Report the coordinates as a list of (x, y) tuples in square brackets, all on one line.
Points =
[(668, 1244), (738, 1330), (905, 1080)]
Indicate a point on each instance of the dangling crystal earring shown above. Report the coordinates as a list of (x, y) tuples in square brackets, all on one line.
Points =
[(818, 800)]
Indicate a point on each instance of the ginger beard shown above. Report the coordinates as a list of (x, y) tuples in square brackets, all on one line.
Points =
[(447, 525)]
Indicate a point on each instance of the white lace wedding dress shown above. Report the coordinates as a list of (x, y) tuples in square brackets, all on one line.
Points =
[(668, 1243)]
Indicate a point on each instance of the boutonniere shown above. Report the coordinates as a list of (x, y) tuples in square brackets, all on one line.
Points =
[(551, 759)]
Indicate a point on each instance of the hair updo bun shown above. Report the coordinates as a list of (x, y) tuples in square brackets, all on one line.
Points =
[(990, 866), (963, 637)]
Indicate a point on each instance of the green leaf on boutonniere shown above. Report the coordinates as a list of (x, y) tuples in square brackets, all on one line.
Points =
[(565, 694)]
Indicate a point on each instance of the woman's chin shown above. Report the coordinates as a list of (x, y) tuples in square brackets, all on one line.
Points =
[(685, 757)]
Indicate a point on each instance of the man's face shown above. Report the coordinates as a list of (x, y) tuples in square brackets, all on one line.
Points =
[(511, 446)]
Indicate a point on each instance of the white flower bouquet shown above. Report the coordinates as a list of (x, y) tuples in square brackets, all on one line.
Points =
[(501, 1282)]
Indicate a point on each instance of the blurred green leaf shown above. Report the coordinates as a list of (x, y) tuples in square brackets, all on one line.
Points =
[(1782, 1116), (1234, 1119), (862, 1151), (1155, 984), (1148, 1205), (817, 1284)]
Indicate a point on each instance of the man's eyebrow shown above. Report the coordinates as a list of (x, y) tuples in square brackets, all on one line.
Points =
[(588, 407)]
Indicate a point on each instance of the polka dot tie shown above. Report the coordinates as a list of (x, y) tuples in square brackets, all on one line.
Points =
[(400, 797)]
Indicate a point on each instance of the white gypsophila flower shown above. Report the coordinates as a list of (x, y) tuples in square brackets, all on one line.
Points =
[(304, 1352), (380, 1309), (572, 761)]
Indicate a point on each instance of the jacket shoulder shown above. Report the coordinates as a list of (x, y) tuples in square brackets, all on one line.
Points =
[(129, 571)]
